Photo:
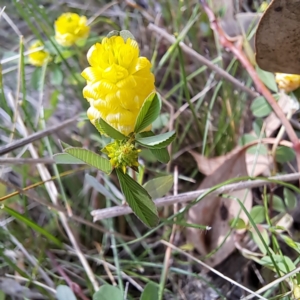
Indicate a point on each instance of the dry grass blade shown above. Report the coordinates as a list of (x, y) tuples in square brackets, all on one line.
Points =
[(277, 38)]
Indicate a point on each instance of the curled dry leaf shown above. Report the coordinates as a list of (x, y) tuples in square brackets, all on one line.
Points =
[(216, 212), (277, 37), (256, 165)]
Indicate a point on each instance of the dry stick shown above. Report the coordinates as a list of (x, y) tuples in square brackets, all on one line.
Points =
[(36, 136), (115, 211), (240, 55), (212, 269), (24, 161), (203, 60)]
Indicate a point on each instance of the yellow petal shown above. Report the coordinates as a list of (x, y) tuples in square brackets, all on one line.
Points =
[(92, 74)]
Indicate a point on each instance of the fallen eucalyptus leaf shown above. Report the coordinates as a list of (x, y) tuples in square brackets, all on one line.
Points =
[(216, 212)]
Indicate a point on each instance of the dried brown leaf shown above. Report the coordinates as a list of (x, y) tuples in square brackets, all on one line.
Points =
[(256, 164), (277, 37), (216, 212)]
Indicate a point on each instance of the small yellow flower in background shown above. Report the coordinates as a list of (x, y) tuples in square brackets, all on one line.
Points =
[(118, 82), (70, 28), (40, 57), (122, 154), (287, 82)]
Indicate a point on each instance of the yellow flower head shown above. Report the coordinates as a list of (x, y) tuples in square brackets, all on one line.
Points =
[(122, 154), (71, 28), (38, 58), (118, 82), (287, 82)]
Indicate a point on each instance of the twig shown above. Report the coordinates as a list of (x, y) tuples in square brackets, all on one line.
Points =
[(22, 161), (115, 211), (212, 269), (240, 55), (36, 136), (203, 60), (273, 283)]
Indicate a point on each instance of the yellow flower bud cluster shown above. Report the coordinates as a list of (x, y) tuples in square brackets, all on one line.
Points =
[(287, 82), (122, 154), (39, 57), (70, 28), (118, 82)]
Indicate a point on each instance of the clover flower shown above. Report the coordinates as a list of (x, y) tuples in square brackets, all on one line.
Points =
[(122, 154), (118, 82), (40, 57), (70, 28), (287, 82)]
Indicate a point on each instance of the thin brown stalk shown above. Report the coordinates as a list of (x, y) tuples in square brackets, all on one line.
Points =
[(240, 55)]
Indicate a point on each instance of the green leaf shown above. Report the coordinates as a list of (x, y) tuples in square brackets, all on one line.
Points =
[(64, 145), (161, 121), (63, 292), (267, 78), (113, 33), (108, 292), (56, 76), (289, 199), (138, 199), (91, 158), (36, 78), (162, 155), (31, 224), (284, 154), (258, 241), (159, 186), (290, 242), (150, 292), (258, 149), (157, 141), (148, 112), (64, 55), (258, 214), (65, 158), (126, 34), (257, 126), (277, 203), (237, 223), (102, 126), (260, 107), (284, 263)]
